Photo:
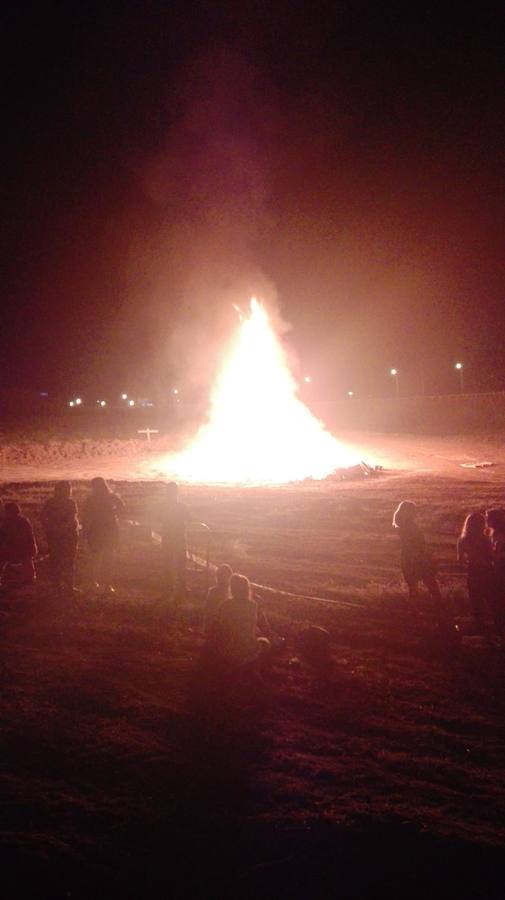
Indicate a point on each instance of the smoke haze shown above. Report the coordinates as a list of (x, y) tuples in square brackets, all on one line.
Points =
[(166, 162), (210, 183)]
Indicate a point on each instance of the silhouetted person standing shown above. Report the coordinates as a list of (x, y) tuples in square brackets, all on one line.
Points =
[(417, 563), (476, 550), (174, 517), (102, 510), (59, 518), (495, 520), (18, 548)]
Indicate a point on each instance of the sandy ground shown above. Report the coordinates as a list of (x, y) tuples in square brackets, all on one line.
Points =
[(397, 453)]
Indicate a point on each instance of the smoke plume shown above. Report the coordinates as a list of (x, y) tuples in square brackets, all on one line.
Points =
[(209, 184)]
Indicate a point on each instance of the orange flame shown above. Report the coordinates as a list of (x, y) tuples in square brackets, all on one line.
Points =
[(258, 430)]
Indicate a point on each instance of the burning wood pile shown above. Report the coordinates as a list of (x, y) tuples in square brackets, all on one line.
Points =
[(259, 431)]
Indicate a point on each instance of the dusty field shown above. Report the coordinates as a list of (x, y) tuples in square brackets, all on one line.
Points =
[(125, 774), (40, 458)]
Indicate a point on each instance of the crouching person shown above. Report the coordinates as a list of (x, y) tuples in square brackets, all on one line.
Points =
[(235, 638), (18, 548)]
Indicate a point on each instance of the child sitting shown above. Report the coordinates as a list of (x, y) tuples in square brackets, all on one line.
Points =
[(235, 634), (216, 596)]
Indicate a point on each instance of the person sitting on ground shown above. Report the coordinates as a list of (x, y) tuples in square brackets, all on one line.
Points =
[(101, 529), (476, 550), (216, 595), (264, 627), (416, 562), (59, 518), (18, 548), (236, 639), (495, 521), (173, 519)]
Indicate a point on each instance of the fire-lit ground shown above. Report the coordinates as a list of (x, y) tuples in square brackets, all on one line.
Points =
[(120, 774), (398, 453)]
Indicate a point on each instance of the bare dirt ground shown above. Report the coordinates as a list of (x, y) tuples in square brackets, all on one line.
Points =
[(133, 459), (126, 773)]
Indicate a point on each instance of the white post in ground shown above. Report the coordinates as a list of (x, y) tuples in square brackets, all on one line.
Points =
[(148, 432)]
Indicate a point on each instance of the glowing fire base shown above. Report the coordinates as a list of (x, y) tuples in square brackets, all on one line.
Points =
[(258, 431)]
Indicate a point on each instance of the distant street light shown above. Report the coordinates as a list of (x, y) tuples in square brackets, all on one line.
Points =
[(459, 368), (131, 402), (395, 373), (78, 401), (307, 379), (175, 391), (124, 396), (350, 393), (102, 402), (71, 403)]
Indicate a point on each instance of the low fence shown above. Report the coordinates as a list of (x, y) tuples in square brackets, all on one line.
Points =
[(444, 414), (94, 423)]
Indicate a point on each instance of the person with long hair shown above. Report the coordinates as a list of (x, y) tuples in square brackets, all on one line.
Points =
[(475, 549), (101, 513), (416, 562), (59, 518)]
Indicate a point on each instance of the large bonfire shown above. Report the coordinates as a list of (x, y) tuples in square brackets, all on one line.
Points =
[(258, 430)]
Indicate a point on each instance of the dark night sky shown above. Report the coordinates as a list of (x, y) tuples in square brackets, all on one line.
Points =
[(163, 159)]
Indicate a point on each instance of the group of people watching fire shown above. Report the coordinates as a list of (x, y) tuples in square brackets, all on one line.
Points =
[(234, 623)]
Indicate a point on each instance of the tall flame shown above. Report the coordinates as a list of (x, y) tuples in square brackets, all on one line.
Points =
[(258, 430)]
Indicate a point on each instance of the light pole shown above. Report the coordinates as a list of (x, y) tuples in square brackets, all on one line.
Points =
[(459, 368), (394, 373)]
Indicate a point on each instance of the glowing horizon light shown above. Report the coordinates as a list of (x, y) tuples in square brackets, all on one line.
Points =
[(307, 379), (131, 402), (350, 393), (258, 430), (458, 365), (102, 402), (78, 401), (393, 372), (175, 391), (71, 403), (124, 396)]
